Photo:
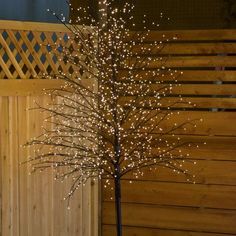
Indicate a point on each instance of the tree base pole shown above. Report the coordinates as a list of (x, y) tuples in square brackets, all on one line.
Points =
[(118, 206)]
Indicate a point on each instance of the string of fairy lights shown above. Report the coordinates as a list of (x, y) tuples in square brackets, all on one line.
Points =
[(122, 115)]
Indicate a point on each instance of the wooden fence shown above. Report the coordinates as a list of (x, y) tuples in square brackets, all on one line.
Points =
[(34, 205), (158, 204), (25, 50), (162, 203)]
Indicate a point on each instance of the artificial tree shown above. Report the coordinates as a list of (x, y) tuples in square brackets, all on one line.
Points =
[(107, 121)]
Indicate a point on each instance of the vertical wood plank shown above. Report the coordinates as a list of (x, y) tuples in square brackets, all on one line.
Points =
[(47, 181), (33, 184), (6, 181), (38, 190), (86, 208), (76, 213), (34, 204), (61, 212), (14, 164), (23, 169), (95, 208), (60, 209)]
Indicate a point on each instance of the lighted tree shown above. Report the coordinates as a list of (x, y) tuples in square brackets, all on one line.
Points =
[(106, 123)]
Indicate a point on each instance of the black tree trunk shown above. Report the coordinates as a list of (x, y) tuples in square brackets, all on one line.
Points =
[(118, 206)]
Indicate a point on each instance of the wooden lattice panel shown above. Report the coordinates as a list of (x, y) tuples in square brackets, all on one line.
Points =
[(28, 54)]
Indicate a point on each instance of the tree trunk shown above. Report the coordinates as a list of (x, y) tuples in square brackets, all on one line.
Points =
[(118, 206)]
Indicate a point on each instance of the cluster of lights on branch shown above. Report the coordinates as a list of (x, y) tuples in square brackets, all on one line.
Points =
[(120, 115)]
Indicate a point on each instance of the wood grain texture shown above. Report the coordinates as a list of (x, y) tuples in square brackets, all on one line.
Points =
[(34, 26), (179, 218), (186, 61), (161, 202), (211, 124), (189, 35), (207, 172), (176, 194), (141, 231), (186, 48), (33, 204), (27, 87), (189, 75), (187, 102)]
